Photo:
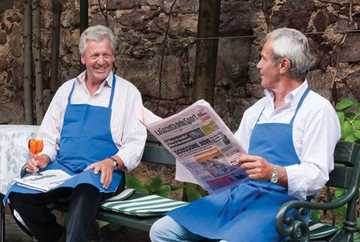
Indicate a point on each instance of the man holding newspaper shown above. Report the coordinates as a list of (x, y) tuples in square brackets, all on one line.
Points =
[(289, 135), (91, 132)]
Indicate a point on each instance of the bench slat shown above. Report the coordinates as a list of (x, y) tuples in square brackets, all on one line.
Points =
[(340, 177), (155, 153), (140, 223)]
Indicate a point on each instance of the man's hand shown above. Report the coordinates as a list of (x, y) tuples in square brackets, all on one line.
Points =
[(37, 162), (106, 168), (256, 167)]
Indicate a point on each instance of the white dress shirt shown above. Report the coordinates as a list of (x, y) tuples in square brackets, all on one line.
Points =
[(128, 134), (316, 131)]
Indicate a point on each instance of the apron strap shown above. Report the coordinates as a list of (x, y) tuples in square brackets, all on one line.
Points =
[(71, 92), (112, 91), (299, 104)]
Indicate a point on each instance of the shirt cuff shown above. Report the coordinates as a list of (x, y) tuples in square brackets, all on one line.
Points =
[(296, 186), (50, 153), (130, 160)]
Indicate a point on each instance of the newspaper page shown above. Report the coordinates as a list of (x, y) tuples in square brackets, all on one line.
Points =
[(203, 144), (45, 181)]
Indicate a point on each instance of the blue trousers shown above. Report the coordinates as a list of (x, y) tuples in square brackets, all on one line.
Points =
[(168, 230), (34, 211)]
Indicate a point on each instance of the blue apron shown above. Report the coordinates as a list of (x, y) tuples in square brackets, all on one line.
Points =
[(85, 138), (246, 213)]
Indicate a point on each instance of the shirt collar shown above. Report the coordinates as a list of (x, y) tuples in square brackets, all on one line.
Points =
[(108, 81), (293, 97)]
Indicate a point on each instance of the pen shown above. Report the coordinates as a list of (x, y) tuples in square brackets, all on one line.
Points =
[(37, 173)]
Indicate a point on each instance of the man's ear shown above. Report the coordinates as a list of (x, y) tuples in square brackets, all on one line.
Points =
[(285, 65), (82, 59)]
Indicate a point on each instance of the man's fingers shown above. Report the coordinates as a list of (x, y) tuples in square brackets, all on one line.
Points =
[(31, 166), (106, 176), (249, 165)]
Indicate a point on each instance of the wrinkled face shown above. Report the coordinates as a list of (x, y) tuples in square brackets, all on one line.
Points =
[(268, 67), (98, 59)]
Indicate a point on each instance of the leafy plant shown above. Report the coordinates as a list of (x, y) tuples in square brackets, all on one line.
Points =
[(348, 111), (154, 186), (192, 192)]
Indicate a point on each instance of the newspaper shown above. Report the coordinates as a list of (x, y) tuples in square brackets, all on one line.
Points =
[(199, 139), (45, 181)]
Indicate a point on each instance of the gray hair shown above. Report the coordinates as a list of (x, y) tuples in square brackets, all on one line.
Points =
[(96, 33), (293, 45)]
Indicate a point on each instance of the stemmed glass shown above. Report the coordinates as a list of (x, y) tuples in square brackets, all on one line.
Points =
[(35, 146)]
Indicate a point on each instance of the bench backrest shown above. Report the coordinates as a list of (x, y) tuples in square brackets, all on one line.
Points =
[(155, 152), (346, 171)]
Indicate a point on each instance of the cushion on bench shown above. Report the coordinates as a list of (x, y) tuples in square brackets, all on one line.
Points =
[(145, 206), (321, 230)]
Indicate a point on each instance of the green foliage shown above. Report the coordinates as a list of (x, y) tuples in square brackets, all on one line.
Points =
[(154, 186), (348, 111), (315, 215), (192, 192)]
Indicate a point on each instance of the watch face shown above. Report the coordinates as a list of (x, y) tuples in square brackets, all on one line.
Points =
[(274, 175)]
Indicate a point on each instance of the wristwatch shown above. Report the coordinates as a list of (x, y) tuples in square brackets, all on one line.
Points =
[(275, 175), (115, 163)]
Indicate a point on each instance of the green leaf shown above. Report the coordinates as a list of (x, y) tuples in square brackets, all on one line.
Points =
[(350, 138), (341, 117), (192, 193), (133, 182), (315, 215), (344, 104), (346, 130), (339, 192), (356, 124), (164, 190), (156, 182), (357, 134)]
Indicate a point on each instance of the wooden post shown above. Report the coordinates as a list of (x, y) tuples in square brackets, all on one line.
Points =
[(84, 20), (206, 50), (36, 46), (54, 82), (27, 63)]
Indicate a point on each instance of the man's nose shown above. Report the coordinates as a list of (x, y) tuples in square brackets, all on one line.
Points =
[(101, 59)]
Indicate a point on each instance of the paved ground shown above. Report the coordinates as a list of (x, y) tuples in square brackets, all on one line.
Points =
[(106, 233)]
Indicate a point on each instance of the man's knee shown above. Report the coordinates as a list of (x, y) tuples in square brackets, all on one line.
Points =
[(86, 193), (160, 230)]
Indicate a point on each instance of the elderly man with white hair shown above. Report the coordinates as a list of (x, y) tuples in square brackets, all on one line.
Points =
[(290, 135), (91, 131)]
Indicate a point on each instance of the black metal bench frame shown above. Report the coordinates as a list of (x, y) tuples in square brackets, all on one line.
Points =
[(345, 175)]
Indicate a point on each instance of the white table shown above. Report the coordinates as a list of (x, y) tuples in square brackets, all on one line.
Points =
[(13, 151), (13, 154)]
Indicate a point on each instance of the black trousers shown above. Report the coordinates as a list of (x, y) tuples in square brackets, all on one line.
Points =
[(34, 209)]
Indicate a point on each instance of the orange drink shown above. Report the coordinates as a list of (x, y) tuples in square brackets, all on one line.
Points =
[(35, 146)]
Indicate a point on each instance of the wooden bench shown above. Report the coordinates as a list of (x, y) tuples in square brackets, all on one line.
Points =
[(154, 153), (346, 175)]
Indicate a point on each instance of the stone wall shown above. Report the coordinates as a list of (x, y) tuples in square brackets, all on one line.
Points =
[(156, 49)]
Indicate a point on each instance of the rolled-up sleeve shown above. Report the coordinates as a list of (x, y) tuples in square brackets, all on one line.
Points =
[(133, 133), (321, 134)]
